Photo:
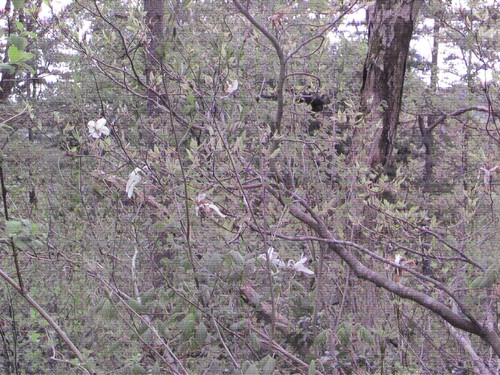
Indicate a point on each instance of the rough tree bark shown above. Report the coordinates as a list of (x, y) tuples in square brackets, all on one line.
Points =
[(7, 82), (155, 10), (390, 28)]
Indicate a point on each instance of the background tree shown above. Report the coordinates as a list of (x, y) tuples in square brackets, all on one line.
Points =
[(390, 29)]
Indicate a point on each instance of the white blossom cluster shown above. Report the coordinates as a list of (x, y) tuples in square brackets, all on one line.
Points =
[(298, 266)]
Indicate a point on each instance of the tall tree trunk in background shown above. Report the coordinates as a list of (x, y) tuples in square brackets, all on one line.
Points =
[(8, 78), (390, 28), (155, 10), (7, 82), (435, 54), (426, 130), (427, 133)]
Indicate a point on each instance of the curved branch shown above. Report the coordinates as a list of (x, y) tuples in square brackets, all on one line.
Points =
[(457, 320), (305, 74), (290, 56)]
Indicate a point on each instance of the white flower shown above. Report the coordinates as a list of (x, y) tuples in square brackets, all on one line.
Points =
[(299, 265), (85, 30), (397, 259), (133, 179), (273, 258), (400, 261), (487, 170), (205, 206), (98, 128), (216, 209), (232, 87)]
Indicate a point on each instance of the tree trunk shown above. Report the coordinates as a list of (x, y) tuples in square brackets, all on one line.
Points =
[(6, 84), (435, 54), (155, 10), (8, 78), (426, 130), (390, 28)]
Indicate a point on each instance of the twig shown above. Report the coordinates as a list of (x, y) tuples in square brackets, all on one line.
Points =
[(11, 240), (45, 315), (465, 343), (236, 364), (283, 351), (123, 297)]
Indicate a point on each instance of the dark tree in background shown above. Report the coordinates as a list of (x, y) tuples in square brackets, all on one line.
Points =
[(390, 29)]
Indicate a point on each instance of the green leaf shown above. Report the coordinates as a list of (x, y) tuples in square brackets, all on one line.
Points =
[(214, 262), (312, 368), (156, 369), (187, 325), (487, 279), (34, 337), (22, 243), (366, 336), (238, 326), (344, 332), (148, 296), (201, 334), (245, 365), (237, 258), (31, 34), (108, 310), (136, 306), (138, 370), (14, 54), (254, 341), (18, 4), (18, 41), (322, 337), (12, 228), (147, 336), (9, 67), (252, 370), (20, 26), (269, 365)]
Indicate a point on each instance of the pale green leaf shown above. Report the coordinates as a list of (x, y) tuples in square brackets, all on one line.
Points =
[(14, 54), (18, 4), (252, 370), (201, 334), (138, 370), (269, 364), (9, 67)]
